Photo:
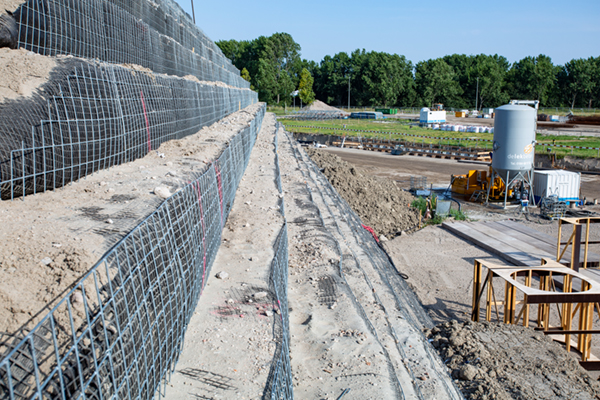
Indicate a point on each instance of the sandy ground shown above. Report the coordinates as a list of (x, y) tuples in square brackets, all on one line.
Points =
[(503, 362), (229, 343), (439, 266), (353, 325), (9, 5), (51, 239), (22, 72), (341, 328)]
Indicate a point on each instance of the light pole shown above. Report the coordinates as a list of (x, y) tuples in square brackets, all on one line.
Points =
[(348, 92), (294, 94), (477, 94)]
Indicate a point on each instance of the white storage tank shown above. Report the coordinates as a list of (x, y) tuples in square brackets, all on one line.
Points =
[(514, 140), (564, 184)]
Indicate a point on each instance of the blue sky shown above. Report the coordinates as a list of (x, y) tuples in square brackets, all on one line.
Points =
[(419, 30)]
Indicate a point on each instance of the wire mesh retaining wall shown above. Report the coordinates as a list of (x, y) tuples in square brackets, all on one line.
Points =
[(96, 115), (156, 35), (119, 331), (279, 383)]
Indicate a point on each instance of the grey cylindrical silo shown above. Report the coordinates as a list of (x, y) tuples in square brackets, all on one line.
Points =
[(514, 140)]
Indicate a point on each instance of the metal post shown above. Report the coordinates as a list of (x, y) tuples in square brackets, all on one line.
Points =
[(193, 13), (348, 93), (506, 188), (477, 94)]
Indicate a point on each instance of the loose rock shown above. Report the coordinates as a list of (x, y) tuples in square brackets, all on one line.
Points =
[(222, 275)]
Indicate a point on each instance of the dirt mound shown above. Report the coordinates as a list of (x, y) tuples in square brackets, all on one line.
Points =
[(492, 361), (9, 5), (318, 105), (379, 202), (22, 72)]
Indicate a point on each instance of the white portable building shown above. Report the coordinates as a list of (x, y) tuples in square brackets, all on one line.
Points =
[(432, 117), (564, 184)]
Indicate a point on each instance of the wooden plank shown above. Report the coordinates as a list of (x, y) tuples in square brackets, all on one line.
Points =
[(590, 273), (529, 231), (490, 244), (549, 250), (514, 243), (593, 258)]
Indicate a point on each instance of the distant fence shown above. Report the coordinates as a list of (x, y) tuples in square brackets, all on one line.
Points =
[(118, 333), (154, 34), (95, 115), (438, 138)]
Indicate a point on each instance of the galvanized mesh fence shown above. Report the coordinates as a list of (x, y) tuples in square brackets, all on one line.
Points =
[(154, 34), (95, 115), (119, 331), (279, 383)]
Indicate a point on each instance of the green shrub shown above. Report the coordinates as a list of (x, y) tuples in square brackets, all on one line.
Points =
[(458, 215), (420, 204)]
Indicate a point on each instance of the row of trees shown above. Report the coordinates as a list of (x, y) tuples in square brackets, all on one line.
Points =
[(275, 69)]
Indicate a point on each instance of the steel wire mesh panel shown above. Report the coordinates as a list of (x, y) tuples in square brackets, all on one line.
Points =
[(156, 35), (119, 331), (101, 115), (279, 383)]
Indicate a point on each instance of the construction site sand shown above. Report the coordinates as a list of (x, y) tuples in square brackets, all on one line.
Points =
[(51, 239), (9, 5), (503, 362), (439, 266), (318, 105), (229, 343), (22, 72)]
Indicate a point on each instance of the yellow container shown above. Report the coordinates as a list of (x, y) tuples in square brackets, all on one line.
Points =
[(459, 114)]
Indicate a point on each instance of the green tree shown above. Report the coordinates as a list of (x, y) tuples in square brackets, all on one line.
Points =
[(437, 82), (579, 80), (331, 80), (487, 92), (306, 87), (272, 63), (463, 67), (491, 71), (266, 81), (532, 78), (245, 74), (387, 79)]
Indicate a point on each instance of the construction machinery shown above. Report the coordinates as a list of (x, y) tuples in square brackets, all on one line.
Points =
[(475, 184)]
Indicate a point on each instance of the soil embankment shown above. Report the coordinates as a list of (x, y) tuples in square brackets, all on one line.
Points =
[(501, 362), (379, 203)]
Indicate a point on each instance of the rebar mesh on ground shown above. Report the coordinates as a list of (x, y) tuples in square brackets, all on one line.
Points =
[(279, 383)]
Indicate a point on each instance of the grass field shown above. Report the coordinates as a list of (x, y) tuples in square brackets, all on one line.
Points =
[(401, 129)]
